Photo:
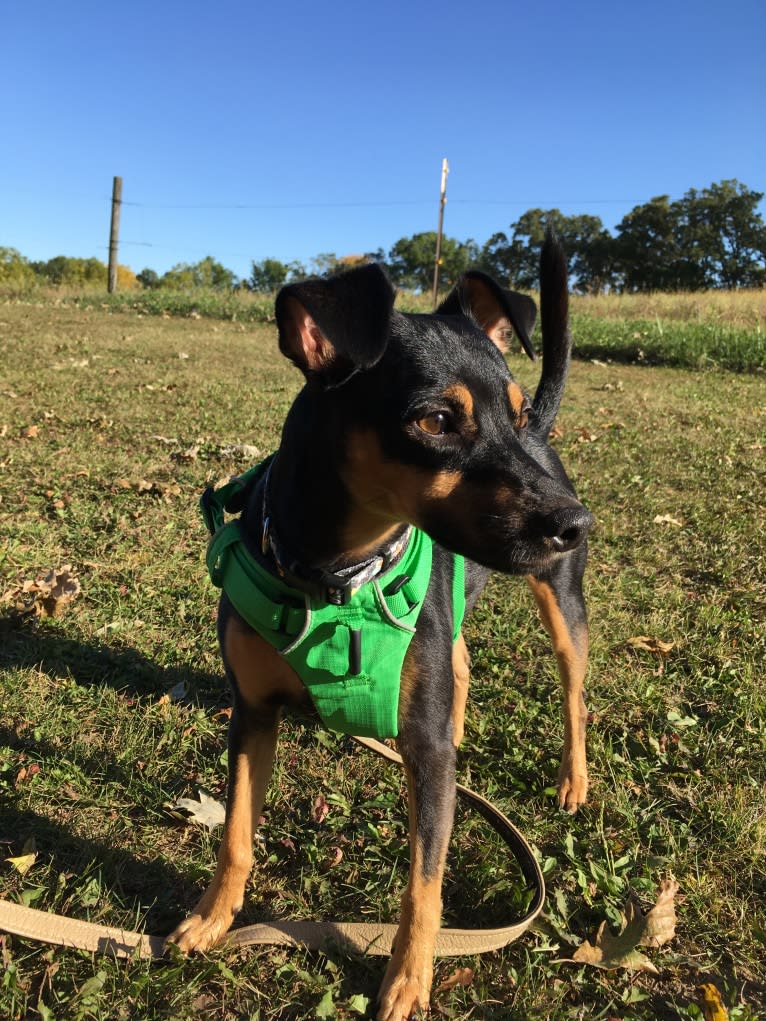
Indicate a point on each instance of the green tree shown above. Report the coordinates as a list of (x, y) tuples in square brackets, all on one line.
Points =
[(324, 263), (210, 273), (516, 261), (15, 269), (649, 249), (268, 275), (148, 278), (723, 229), (411, 260), (710, 238), (495, 258), (63, 270), (206, 273), (179, 277)]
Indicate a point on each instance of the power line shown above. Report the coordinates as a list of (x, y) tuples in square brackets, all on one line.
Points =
[(373, 204), (280, 205)]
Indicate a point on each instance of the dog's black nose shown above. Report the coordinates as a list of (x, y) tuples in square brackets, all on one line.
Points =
[(567, 527)]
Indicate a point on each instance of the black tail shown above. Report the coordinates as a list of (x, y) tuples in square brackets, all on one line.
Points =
[(557, 342)]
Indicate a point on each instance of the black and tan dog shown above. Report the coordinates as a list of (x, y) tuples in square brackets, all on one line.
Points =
[(407, 420)]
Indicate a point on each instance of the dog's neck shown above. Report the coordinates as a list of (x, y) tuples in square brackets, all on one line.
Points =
[(310, 508)]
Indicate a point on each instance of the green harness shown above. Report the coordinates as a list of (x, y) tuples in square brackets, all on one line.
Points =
[(349, 657)]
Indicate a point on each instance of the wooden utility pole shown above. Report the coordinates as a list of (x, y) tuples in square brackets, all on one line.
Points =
[(114, 233), (442, 203)]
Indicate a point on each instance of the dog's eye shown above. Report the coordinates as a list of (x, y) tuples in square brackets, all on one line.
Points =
[(436, 424), (526, 411)]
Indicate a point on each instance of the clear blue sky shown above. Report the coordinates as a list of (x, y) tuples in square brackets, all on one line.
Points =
[(245, 130)]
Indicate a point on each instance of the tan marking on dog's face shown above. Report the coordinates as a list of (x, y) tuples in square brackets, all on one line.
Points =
[(519, 404), (515, 398), (387, 493), (457, 416), (462, 396), (442, 485)]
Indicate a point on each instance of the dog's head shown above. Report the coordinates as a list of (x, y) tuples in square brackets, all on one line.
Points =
[(432, 426)]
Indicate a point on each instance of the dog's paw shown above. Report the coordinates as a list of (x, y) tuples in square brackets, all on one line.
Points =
[(199, 933), (404, 1001), (405, 993), (573, 791)]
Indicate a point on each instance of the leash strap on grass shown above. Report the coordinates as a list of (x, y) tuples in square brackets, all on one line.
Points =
[(365, 937)]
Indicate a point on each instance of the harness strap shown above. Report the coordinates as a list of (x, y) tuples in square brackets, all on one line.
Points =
[(458, 595), (227, 554)]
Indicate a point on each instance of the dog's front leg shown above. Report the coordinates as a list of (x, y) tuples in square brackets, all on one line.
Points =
[(560, 601), (430, 766), (252, 743)]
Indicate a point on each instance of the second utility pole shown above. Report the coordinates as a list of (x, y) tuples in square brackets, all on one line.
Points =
[(442, 203)]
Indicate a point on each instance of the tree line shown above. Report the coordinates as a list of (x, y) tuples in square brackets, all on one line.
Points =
[(711, 238)]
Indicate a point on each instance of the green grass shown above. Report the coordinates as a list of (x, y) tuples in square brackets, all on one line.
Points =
[(110, 426), (706, 330), (696, 345)]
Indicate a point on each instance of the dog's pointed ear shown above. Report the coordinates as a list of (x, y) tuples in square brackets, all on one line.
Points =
[(335, 325), (494, 309)]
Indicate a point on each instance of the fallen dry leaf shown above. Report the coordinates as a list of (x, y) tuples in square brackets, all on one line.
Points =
[(586, 436), (459, 977), (24, 861), (207, 811), (240, 450), (653, 645), (320, 809), (178, 692), (335, 857), (660, 922), (711, 1003), (666, 519), (163, 489), (47, 595), (621, 951), (190, 454)]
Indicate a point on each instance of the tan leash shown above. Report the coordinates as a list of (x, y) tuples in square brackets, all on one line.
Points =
[(366, 937)]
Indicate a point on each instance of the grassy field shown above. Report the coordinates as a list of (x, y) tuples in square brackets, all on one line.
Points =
[(111, 423), (714, 329)]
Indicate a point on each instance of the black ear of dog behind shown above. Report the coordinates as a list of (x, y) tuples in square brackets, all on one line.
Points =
[(493, 308), (332, 326)]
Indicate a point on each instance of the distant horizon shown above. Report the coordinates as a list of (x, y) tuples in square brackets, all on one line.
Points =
[(308, 261)]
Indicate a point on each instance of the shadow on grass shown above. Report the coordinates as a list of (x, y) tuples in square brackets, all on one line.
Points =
[(27, 645), (146, 888)]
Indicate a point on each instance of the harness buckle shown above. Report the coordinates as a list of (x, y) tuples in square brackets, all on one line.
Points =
[(335, 590)]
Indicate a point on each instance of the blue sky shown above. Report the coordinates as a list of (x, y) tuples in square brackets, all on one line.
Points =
[(252, 130)]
